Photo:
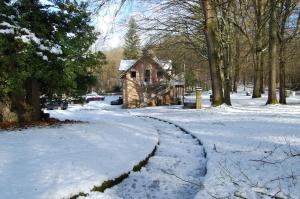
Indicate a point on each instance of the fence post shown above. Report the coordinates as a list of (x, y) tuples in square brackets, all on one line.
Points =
[(198, 98)]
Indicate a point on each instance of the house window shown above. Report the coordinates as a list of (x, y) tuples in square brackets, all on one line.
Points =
[(159, 74), (147, 76), (133, 74)]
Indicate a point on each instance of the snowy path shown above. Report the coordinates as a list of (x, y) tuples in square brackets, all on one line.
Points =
[(234, 137), (174, 172)]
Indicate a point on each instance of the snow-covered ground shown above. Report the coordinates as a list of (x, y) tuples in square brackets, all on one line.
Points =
[(252, 152), (59, 162), (251, 147), (179, 158)]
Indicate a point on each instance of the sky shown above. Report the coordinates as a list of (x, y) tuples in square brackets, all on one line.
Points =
[(113, 26), (111, 22)]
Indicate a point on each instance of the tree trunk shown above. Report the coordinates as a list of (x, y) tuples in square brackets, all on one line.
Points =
[(262, 76), (257, 50), (257, 73), (212, 46), (18, 106), (272, 99), (33, 100), (237, 65), (227, 82), (284, 14), (282, 94), (17, 100), (230, 59)]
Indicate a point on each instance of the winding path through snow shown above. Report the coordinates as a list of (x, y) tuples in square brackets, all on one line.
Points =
[(174, 172)]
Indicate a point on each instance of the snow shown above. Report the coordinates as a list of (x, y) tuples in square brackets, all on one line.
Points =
[(253, 145), (70, 35), (126, 64), (251, 150), (58, 162), (29, 36), (45, 58), (27, 31), (7, 25), (177, 153), (26, 36), (7, 31), (166, 64), (56, 49)]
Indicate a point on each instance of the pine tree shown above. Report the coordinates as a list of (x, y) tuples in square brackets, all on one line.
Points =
[(43, 51), (76, 36), (132, 41), (7, 45)]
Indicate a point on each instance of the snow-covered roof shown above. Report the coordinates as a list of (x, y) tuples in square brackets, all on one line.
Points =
[(126, 64), (166, 64)]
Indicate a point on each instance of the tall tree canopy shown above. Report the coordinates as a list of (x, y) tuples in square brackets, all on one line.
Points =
[(132, 41)]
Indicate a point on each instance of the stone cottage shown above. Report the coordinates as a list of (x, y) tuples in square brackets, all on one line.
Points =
[(150, 82)]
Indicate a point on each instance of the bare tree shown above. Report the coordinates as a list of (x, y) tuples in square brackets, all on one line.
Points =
[(250, 18), (227, 33), (210, 28), (286, 32)]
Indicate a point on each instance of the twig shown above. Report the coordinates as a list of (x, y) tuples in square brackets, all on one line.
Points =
[(271, 196), (187, 181)]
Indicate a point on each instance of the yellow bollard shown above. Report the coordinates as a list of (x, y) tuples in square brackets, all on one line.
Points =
[(198, 98)]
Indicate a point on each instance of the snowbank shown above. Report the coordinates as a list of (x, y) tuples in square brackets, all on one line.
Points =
[(63, 161)]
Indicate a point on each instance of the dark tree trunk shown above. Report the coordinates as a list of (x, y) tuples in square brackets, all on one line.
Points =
[(257, 50), (262, 76), (213, 56), (230, 59), (18, 106), (237, 65), (257, 73), (282, 92), (33, 99), (284, 14), (17, 99)]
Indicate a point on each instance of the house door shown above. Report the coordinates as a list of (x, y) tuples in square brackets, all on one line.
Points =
[(147, 76)]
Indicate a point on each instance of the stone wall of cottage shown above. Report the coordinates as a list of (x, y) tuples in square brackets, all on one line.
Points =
[(132, 91), (134, 88)]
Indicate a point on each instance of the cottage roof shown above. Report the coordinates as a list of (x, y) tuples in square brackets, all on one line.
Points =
[(126, 64), (166, 64)]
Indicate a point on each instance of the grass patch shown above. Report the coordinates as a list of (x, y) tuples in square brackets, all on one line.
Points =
[(110, 183), (78, 195), (143, 163)]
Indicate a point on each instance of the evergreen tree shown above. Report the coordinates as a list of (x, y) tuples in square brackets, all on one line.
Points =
[(44, 51), (75, 35), (132, 41)]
